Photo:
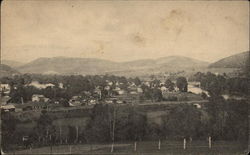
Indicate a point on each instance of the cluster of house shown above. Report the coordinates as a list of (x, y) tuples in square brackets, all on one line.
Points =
[(116, 94), (129, 95), (38, 102)]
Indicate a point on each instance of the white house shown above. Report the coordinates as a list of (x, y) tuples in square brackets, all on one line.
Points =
[(225, 96), (120, 92), (109, 101), (92, 102), (110, 83), (147, 83), (117, 89), (163, 89), (5, 88), (107, 88), (133, 92), (132, 84), (119, 101), (75, 101), (39, 98), (139, 90), (196, 90), (8, 107), (39, 85), (61, 85), (197, 105)]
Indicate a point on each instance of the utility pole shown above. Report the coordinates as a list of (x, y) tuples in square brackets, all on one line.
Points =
[(100, 94), (113, 130), (51, 148), (70, 149), (50, 138), (159, 144), (76, 134), (47, 135), (184, 144), (209, 142), (60, 134), (22, 100)]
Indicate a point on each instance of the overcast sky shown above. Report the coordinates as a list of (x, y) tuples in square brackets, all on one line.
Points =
[(123, 31)]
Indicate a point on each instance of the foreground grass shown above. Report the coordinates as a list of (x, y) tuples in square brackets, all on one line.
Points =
[(149, 147)]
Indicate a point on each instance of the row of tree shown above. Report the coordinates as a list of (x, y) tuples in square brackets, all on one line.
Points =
[(220, 119), (219, 84)]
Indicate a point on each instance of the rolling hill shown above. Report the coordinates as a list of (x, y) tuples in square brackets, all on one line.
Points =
[(64, 65), (12, 63), (6, 70), (234, 61), (180, 62)]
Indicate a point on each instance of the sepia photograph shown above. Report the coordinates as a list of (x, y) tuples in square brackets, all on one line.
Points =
[(125, 77)]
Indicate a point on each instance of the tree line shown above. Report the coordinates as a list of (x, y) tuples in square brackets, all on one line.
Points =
[(219, 84), (220, 119)]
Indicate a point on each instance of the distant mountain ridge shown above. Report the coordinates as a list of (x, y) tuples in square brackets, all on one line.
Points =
[(6, 70), (12, 63), (234, 61), (65, 65)]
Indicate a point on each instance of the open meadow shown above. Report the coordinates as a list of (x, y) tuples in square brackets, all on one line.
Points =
[(145, 147)]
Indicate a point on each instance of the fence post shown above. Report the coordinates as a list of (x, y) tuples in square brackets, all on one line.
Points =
[(135, 147), (112, 148), (70, 149), (60, 134), (159, 144), (76, 140), (184, 144), (51, 152), (209, 142)]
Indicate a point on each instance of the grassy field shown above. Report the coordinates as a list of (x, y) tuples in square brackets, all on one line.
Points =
[(149, 147)]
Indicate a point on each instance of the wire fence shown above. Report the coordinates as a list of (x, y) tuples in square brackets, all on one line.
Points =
[(146, 147)]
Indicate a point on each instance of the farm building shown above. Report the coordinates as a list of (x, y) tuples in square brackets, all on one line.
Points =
[(5, 88), (39, 98), (34, 106), (7, 108), (39, 85), (76, 101)]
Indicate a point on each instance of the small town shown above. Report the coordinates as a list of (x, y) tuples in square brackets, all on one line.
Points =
[(133, 77), (54, 110), (133, 91)]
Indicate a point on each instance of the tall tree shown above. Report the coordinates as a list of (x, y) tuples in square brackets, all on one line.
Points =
[(44, 127), (182, 84), (8, 128), (169, 84)]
